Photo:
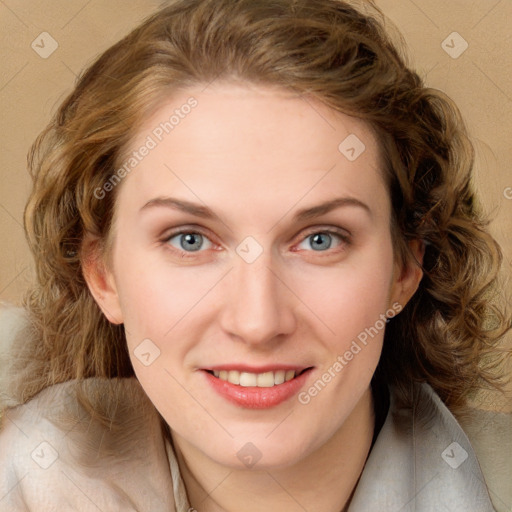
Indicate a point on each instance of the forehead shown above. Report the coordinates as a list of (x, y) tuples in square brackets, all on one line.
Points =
[(243, 142)]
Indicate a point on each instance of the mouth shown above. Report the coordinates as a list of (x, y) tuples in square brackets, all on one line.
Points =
[(267, 379), (259, 388)]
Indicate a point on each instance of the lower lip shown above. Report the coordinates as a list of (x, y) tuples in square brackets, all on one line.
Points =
[(254, 397)]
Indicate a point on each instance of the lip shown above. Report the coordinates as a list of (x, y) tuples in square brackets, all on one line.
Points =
[(253, 397), (256, 369)]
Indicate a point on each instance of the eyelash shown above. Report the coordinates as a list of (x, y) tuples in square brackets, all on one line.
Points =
[(345, 240)]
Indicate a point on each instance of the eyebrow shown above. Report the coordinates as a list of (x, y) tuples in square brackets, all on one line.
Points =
[(301, 215)]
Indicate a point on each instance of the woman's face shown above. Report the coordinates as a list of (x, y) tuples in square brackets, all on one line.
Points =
[(251, 239)]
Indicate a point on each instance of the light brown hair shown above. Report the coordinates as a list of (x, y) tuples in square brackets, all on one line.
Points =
[(334, 51)]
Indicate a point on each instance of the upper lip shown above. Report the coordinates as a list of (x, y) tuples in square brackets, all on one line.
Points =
[(256, 369)]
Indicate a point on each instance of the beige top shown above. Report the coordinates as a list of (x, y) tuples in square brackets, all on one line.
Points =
[(55, 457)]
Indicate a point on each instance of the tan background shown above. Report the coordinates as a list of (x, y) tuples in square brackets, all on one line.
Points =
[(31, 87)]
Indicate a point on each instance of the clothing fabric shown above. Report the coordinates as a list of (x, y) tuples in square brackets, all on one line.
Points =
[(55, 455)]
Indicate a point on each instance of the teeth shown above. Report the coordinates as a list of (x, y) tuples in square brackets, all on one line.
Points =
[(248, 379), (279, 376), (265, 380), (261, 380), (233, 377)]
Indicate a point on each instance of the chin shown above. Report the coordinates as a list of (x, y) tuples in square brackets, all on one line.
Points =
[(263, 451)]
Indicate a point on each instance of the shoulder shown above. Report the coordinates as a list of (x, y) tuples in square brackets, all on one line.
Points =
[(422, 461), (56, 454), (12, 321)]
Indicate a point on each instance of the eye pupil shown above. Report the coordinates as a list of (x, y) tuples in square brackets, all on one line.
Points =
[(194, 239), (321, 241)]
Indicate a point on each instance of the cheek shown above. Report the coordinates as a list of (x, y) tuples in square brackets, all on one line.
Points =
[(351, 298), (154, 294)]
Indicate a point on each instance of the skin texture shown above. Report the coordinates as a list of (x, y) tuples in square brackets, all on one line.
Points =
[(255, 156)]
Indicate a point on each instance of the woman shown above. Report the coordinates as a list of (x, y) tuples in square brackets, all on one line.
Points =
[(262, 276)]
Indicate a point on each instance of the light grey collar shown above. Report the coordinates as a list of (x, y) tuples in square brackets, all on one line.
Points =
[(422, 461)]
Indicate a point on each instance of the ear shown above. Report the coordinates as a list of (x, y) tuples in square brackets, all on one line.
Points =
[(100, 281), (407, 277)]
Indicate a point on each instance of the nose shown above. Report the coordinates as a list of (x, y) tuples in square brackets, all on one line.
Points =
[(258, 309)]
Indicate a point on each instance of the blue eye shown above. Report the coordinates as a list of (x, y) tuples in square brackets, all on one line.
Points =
[(189, 241), (323, 240)]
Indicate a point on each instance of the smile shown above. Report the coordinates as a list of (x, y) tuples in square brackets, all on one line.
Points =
[(260, 380), (257, 390)]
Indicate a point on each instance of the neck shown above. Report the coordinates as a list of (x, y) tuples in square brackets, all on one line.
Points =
[(322, 481)]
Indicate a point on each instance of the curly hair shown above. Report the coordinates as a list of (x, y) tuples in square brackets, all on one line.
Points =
[(340, 53)]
